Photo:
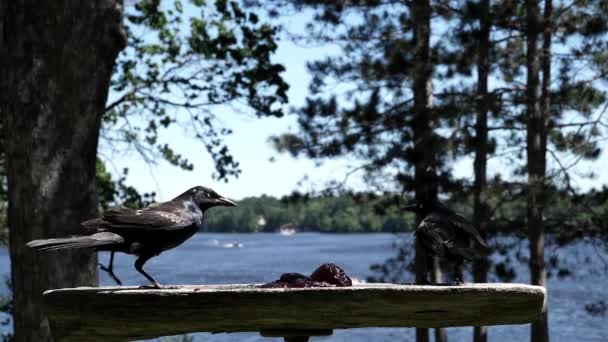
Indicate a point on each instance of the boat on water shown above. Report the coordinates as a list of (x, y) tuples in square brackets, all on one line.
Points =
[(232, 245), (287, 229), (217, 243)]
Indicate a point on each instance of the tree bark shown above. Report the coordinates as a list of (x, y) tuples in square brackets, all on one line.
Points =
[(56, 62), (480, 267), (424, 155), (545, 104), (536, 158)]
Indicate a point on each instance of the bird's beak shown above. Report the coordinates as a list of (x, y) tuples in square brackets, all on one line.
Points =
[(410, 207), (225, 202)]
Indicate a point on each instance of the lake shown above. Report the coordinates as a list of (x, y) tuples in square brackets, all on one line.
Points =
[(209, 259)]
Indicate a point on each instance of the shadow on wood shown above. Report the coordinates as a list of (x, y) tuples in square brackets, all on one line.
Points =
[(121, 313)]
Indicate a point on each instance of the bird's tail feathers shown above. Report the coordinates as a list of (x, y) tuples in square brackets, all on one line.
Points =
[(484, 249), (88, 241), (484, 245)]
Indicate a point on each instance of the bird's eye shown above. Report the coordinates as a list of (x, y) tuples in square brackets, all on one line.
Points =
[(208, 195)]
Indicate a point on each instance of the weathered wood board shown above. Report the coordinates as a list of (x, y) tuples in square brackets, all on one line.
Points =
[(126, 313)]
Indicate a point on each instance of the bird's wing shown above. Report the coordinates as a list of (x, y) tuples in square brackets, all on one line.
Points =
[(462, 223), (159, 217), (435, 233), (94, 225)]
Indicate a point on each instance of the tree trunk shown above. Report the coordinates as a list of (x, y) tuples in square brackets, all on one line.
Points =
[(480, 267), (424, 155), (56, 61), (536, 158), (545, 104)]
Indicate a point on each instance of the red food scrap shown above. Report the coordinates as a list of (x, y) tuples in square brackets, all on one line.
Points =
[(326, 275)]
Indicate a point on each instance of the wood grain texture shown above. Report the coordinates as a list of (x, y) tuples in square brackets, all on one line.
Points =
[(123, 313)]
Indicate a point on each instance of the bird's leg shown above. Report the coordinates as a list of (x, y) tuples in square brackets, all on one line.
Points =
[(109, 269), (424, 280), (428, 272), (435, 270), (139, 266), (458, 276)]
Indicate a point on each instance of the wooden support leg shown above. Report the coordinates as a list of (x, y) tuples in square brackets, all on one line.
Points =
[(296, 338), (295, 335)]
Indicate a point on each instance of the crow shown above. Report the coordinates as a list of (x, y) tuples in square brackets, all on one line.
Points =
[(445, 234), (143, 232)]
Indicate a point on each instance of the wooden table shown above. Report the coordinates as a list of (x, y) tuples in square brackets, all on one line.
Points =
[(128, 313)]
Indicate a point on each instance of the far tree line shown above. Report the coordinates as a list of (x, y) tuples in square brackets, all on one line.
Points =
[(369, 213)]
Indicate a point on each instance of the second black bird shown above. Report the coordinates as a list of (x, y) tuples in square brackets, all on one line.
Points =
[(445, 234), (143, 232)]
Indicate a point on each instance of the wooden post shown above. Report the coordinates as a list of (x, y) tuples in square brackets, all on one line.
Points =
[(296, 335)]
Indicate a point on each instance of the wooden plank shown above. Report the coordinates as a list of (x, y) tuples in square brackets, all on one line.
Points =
[(121, 313)]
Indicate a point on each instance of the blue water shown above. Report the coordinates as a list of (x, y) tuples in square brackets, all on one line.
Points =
[(264, 257)]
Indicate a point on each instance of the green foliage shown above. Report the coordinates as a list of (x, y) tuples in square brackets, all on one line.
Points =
[(361, 101), (113, 193), (360, 105), (335, 214), (183, 61)]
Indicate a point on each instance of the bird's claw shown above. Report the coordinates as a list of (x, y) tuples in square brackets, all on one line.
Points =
[(110, 273), (116, 279), (457, 282)]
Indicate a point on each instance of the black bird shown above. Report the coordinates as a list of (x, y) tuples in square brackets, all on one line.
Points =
[(445, 234), (143, 232)]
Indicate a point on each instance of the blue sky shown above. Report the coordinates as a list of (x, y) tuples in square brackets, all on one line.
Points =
[(249, 144)]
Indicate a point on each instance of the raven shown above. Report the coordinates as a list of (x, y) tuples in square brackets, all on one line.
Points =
[(143, 232), (445, 234)]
